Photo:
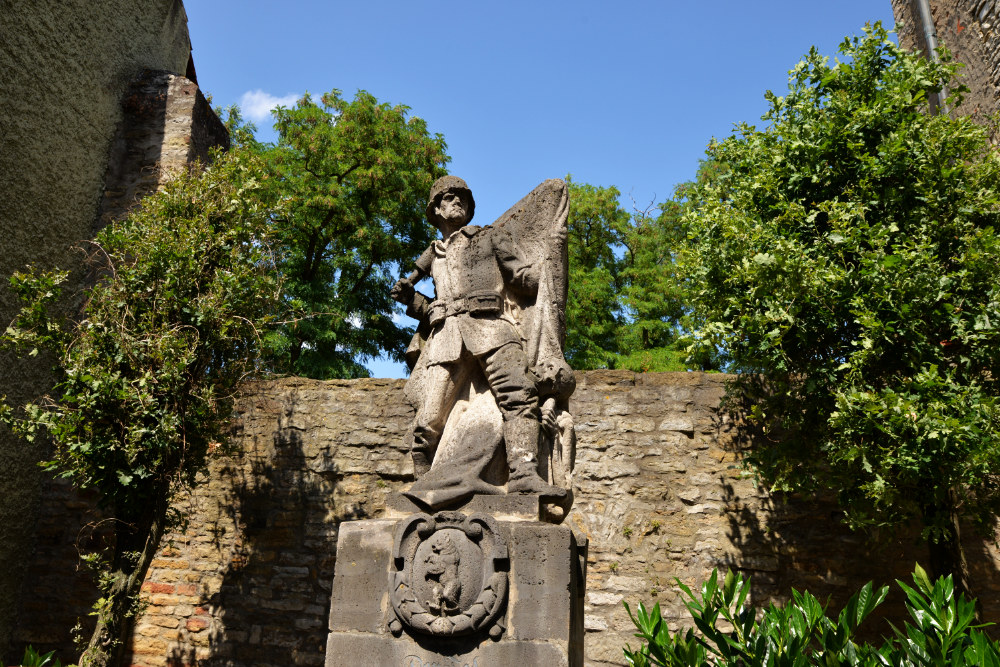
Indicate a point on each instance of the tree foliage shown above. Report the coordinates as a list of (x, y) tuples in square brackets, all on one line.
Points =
[(846, 259), (625, 304), (353, 177), (652, 294), (147, 368), (596, 228)]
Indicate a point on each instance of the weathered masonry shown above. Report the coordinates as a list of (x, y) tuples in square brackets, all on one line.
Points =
[(971, 30), (659, 494)]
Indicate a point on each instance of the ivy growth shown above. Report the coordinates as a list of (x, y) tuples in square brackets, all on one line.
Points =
[(148, 365)]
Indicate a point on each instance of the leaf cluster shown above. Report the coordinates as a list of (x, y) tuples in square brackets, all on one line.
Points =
[(800, 634), (846, 260), (625, 307), (597, 225), (352, 177), (147, 367)]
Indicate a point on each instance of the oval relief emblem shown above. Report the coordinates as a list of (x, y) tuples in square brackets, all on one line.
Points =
[(449, 574)]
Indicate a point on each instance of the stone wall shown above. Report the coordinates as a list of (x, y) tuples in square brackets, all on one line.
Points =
[(167, 125), (969, 28), (64, 67), (659, 495)]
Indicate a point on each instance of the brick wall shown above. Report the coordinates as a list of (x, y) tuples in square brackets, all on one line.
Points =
[(167, 126)]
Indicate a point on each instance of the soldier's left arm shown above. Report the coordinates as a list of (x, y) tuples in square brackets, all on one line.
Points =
[(518, 272)]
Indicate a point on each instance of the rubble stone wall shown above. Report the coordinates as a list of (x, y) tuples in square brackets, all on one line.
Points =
[(971, 30), (659, 495)]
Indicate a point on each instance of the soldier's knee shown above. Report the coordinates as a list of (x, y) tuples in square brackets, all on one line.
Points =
[(518, 403)]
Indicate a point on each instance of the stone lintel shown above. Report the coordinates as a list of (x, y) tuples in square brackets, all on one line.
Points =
[(512, 507)]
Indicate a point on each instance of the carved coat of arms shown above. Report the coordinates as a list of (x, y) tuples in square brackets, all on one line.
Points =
[(449, 575)]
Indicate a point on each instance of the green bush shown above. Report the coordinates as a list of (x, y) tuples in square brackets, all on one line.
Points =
[(846, 259), (33, 658), (800, 633)]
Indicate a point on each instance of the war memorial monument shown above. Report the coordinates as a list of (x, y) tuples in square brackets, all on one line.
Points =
[(470, 565)]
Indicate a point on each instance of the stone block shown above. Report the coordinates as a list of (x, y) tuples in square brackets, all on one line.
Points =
[(360, 591), (542, 623), (515, 507), (348, 648)]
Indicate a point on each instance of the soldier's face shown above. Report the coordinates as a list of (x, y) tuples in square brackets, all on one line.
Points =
[(452, 210)]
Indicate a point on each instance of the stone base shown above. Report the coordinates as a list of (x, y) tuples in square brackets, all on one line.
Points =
[(542, 623), (356, 650)]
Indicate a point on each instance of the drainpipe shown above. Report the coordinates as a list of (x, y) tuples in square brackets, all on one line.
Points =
[(930, 40)]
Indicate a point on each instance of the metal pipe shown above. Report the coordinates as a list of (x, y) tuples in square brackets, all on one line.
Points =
[(930, 41)]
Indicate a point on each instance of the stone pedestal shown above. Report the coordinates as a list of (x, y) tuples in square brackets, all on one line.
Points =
[(382, 586)]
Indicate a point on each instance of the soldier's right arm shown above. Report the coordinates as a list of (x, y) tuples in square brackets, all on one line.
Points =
[(417, 308), (403, 291)]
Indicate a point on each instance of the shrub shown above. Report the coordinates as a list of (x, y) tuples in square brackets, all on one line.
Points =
[(941, 630)]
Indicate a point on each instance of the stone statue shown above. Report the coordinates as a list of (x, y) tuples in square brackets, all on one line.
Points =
[(477, 580), (489, 379)]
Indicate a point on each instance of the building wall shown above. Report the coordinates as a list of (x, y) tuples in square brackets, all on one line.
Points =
[(166, 126), (659, 495), (65, 66), (969, 28)]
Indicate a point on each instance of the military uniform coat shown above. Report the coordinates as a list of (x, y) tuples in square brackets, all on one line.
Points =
[(470, 269)]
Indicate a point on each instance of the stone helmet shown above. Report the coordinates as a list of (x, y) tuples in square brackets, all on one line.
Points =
[(443, 185)]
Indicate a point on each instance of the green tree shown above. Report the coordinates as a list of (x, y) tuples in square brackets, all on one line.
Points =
[(147, 368), (651, 293), (655, 335), (846, 259), (597, 226), (353, 177), (625, 307)]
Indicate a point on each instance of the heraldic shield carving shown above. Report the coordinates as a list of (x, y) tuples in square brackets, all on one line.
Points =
[(449, 575)]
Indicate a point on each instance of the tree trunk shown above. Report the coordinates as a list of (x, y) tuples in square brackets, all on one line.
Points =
[(947, 557), (115, 619)]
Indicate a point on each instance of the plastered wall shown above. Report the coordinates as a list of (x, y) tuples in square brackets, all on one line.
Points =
[(65, 66)]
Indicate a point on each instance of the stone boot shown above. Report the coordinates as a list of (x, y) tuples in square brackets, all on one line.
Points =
[(521, 436)]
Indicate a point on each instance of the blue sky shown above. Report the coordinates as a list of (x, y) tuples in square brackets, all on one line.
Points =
[(625, 94)]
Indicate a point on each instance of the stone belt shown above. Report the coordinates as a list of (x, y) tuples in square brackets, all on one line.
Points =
[(489, 303)]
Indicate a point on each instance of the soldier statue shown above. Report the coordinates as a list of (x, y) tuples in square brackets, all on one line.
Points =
[(474, 344)]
